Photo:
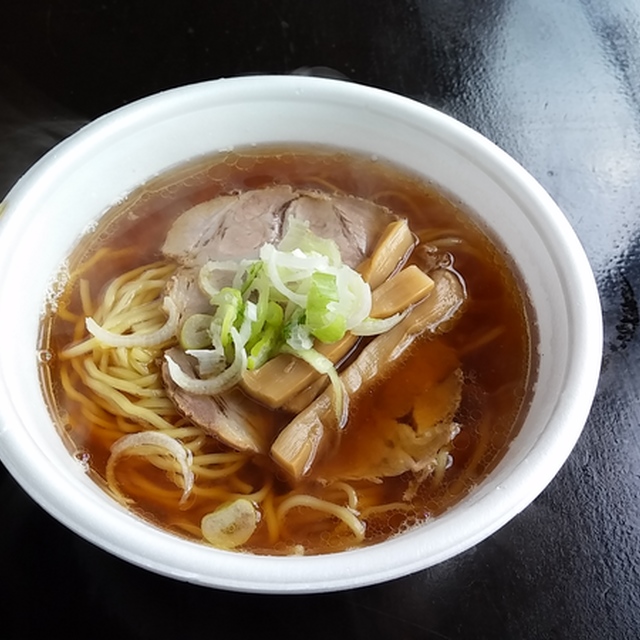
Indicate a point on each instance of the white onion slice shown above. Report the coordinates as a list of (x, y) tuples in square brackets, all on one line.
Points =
[(250, 316), (216, 384), (214, 275), (153, 339), (230, 525), (356, 294), (135, 443), (269, 255), (210, 361), (376, 326)]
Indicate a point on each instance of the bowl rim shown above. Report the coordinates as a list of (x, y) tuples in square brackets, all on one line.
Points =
[(244, 572)]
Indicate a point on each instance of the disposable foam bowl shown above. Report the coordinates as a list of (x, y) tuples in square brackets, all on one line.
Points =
[(75, 183)]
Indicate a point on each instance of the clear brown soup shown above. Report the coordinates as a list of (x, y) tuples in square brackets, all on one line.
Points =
[(492, 339)]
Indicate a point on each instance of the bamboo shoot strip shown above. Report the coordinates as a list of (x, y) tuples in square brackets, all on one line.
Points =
[(300, 442), (282, 378)]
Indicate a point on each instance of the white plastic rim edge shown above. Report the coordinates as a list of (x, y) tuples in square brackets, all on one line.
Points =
[(73, 499)]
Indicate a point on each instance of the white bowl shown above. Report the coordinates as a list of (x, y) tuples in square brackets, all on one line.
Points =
[(74, 184)]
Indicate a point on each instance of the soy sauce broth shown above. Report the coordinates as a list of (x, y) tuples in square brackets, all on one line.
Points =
[(493, 339)]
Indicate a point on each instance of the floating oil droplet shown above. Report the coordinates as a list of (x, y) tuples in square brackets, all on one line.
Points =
[(45, 356), (84, 458)]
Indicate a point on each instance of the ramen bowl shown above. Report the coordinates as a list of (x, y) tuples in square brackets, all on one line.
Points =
[(65, 194)]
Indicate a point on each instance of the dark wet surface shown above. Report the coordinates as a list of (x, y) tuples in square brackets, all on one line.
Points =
[(554, 83)]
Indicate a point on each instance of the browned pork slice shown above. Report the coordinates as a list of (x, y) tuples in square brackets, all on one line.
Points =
[(230, 417), (354, 224), (235, 226), (187, 296), (232, 227), (228, 227)]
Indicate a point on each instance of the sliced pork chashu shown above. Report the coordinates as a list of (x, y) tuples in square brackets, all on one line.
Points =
[(354, 224), (231, 227), (229, 417)]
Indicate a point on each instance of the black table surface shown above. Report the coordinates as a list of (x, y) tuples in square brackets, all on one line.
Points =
[(555, 83)]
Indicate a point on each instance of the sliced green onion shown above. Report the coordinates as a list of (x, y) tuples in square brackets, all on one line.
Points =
[(296, 333), (260, 291), (299, 236), (229, 303), (323, 365), (195, 332), (323, 321), (246, 276), (269, 341), (294, 293), (376, 326)]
